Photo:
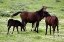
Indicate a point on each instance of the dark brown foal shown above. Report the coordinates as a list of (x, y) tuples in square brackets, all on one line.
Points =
[(14, 23)]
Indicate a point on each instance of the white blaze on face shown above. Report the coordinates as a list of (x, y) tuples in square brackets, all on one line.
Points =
[(44, 8)]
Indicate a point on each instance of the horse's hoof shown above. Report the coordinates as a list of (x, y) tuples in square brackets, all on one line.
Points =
[(18, 33), (50, 34), (21, 30), (45, 34), (7, 33), (34, 30), (37, 31), (58, 35), (12, 32), (31, 29)]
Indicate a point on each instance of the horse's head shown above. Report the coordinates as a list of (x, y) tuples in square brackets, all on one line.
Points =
[(44, 11), (44, 8)]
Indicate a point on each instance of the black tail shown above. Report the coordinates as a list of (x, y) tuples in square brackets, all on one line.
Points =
[(8, 23), (15, 14), (57, 21), (57, 24)]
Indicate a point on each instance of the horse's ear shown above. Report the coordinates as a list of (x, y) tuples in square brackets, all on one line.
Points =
[(44, 7)]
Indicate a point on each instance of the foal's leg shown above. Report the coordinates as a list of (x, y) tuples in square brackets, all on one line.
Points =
[(8, 29), (46, 29), (13, 29), (17, 29), (21, 28)]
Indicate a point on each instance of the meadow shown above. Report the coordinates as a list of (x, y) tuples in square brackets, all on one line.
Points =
[(8, 7)]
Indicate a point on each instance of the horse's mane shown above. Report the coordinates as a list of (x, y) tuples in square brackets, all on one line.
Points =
[(39, 12)]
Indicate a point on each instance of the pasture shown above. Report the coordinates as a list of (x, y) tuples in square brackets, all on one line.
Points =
[(53, 7)]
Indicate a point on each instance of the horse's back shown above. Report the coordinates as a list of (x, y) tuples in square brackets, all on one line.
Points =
[(18, 22), (28, 16), (12, 22), (52, 20)]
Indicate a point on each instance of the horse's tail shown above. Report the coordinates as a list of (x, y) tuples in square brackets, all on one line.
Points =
[(8, 23), (15, 14), (57, 21)]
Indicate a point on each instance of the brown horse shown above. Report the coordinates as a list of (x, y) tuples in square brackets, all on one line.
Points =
[(51, 21), (31, 17), (14, 23)]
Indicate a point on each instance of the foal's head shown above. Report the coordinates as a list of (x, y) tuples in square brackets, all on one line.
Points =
[(46, 14), (22, 26)]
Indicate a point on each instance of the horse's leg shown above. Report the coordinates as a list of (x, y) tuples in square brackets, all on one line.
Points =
[(13, 29), (32, 26), (53, 29), (57, 29), (37, 25), (17, 29), (8, 29), (46, 29), (35, 29), (24, 24), (50, 30), (21, 28)]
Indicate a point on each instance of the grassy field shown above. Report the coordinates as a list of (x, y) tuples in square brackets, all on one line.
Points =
[(10, 6)]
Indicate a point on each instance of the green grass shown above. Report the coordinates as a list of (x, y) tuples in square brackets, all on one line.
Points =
[(12, 6), (28, 35)]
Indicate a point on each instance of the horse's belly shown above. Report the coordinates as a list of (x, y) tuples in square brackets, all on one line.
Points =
[(30, 21)]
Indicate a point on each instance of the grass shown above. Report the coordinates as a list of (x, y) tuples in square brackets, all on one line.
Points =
[(29, 36), (12, 6)]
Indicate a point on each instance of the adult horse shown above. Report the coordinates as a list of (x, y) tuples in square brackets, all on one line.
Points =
[(51, 21), (31, 17)]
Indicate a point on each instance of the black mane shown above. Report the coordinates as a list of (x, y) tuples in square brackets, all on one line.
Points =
[(40, 12)]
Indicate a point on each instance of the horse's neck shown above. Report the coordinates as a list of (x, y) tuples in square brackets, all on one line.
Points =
[(39, 13)]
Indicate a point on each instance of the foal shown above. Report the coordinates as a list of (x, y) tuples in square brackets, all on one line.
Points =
[(14, 23), (51, 21)]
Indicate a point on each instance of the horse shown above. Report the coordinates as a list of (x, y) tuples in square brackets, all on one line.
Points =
[(51, 21), (14, 23), (31, 17)]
